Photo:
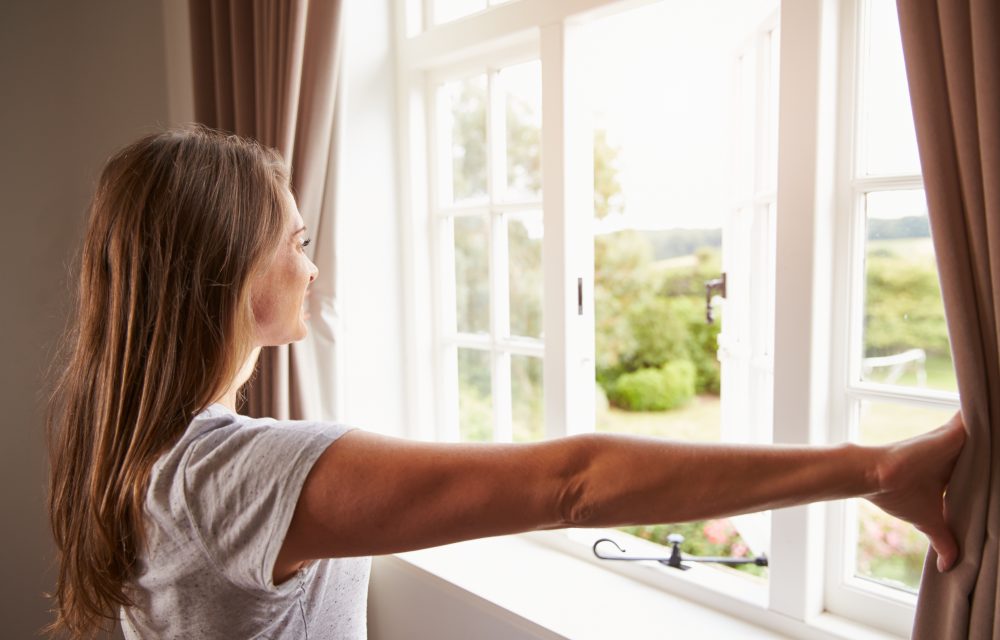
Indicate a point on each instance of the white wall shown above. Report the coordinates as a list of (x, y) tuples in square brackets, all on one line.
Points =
[(407, 602), (368, 225), (79, 80)]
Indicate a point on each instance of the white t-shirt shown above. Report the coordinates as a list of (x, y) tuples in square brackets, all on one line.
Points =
[(217, 511)]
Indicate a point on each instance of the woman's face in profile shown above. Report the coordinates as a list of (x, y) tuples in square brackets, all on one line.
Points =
[(279, 294)]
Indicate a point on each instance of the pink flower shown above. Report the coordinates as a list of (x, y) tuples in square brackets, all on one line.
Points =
[(717, 531)]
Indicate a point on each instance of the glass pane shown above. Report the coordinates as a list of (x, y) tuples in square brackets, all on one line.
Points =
[(524, 235), (448, 10), (663, 192), (472, 271), (905, 335), (465, 102), (522, 85), (526, 394), (475, 396), (890, 550), (890, 143)]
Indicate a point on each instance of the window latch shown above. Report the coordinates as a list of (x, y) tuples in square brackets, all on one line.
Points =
[(579, 296), (677, 559), (712, 288)]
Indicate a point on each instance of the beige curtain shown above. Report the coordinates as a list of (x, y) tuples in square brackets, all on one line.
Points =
[(952, 50), (270, 70)]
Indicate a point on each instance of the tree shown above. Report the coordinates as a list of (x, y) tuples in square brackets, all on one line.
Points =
[(608, 197)]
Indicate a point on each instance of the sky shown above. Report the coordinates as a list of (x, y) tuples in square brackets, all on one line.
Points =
[(662, 82)]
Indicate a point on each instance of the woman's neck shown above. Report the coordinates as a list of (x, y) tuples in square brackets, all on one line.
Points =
[(228, 397)]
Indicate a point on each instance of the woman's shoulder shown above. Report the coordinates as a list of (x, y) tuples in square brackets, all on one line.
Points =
[(230, 485), (220, 443)]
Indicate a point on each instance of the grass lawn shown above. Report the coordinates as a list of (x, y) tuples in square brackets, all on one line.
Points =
[(696, 421), (699, 421), (939, 370)]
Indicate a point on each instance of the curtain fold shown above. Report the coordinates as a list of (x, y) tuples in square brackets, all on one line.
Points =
[(270, 70), (952, 52)]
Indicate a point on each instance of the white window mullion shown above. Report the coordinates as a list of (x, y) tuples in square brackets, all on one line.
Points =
[(447, 390), (801, 352), (496, 178), (500, 328), (502, 402), (567, 248)]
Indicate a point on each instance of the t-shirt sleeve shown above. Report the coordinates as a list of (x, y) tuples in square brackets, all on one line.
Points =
[(241, 485)]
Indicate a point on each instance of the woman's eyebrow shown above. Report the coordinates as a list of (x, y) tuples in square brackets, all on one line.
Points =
[(299, 231)]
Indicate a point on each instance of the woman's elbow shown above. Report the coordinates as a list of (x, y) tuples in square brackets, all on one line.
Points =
[(576, 505)]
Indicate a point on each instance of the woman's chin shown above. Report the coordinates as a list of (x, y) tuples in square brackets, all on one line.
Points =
[(303, 327)]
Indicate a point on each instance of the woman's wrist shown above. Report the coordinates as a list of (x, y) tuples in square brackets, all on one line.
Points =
[(867, 464)]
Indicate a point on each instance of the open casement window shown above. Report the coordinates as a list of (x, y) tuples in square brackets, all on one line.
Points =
[(574, 174), (684, 174), (746, 342)]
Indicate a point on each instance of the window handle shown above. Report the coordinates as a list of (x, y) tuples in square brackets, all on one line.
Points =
[(718, 285)]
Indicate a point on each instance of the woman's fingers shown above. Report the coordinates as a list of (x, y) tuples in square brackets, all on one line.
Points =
[(913, 478), (941, 538)]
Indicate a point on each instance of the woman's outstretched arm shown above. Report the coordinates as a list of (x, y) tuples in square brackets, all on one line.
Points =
[(369, 494)]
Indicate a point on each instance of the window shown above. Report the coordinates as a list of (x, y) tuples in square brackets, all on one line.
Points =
[(487, 216), (895, 378), (535, 166)]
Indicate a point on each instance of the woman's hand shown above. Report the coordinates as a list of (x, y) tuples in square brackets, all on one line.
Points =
[(912, 478)]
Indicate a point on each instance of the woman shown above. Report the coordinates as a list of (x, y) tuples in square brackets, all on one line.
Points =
[(184, 519)]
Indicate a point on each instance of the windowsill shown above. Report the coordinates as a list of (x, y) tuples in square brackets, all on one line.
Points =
[(572, 598)]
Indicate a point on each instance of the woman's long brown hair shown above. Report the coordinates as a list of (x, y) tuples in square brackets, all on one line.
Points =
[(179, 225)]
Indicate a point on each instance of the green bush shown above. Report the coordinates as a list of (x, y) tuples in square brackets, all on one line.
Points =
[(690, 280), (655, 389), (702, 342), (659, 334), (647, 316), (903, 307)]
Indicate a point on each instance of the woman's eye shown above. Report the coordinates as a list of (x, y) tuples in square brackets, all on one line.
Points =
[(305, 243)]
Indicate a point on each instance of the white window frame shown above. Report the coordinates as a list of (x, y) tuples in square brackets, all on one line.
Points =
[(865, 600), (807, 406), (441, 216)]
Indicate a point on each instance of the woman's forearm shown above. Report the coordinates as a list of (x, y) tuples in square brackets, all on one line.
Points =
[(629, 480)]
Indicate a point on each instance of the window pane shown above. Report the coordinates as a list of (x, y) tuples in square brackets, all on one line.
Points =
[(526, 393), (472, 269), (524, 234), (890, 144), (522, 85), (475, 398), (465, 103), (890, 550), (905, 335)]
